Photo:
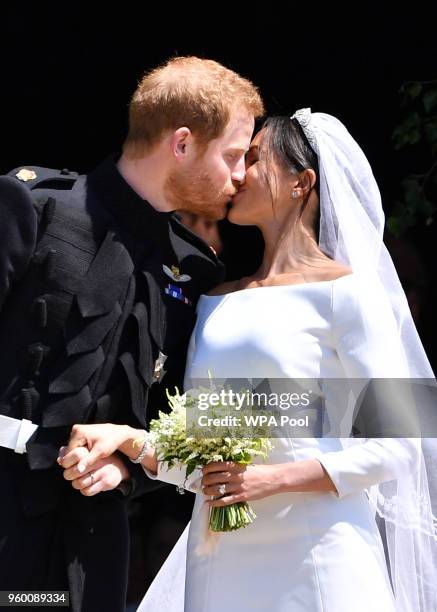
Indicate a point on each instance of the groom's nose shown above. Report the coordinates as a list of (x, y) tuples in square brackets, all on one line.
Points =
[(239, 171)]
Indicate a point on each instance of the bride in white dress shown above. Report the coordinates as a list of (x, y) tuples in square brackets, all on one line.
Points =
[(325, 304)]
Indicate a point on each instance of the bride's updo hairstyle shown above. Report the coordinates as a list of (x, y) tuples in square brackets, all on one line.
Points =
[(285, 142)]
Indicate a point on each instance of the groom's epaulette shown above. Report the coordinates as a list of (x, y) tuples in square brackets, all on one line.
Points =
[(36, 177), (47, 186)]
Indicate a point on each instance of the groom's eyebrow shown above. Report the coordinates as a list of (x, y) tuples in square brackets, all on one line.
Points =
[(238, 149)]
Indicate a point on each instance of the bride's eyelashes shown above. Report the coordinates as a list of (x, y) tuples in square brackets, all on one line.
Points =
[(250, 159)]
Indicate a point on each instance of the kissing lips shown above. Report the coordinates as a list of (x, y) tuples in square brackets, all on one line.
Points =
[(239, 192)]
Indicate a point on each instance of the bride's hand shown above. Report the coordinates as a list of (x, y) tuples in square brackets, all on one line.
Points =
[(242, 482), (101, 440)]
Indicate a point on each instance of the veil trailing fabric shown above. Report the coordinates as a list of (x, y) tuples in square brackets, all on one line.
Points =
[(167, 591), (351, 232)]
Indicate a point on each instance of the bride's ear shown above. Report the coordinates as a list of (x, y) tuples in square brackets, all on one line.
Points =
[(303, 183)]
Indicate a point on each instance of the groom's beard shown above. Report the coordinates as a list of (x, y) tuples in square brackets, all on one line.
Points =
[(195, 192)]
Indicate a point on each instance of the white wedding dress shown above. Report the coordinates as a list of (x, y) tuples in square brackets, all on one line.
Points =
[(305, 552)]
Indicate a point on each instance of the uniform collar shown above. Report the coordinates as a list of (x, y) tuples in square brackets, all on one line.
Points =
[(131, 211)]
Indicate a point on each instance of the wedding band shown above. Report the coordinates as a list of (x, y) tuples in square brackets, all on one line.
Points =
[(92, 477), (222, 489)]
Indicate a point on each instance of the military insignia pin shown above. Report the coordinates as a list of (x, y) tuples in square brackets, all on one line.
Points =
[(176, 292), (159, 366), (175, 274), (26, 175)]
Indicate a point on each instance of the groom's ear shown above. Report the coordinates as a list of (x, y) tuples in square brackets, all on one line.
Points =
[(180, 140)]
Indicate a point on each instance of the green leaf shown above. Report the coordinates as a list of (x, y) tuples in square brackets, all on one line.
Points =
[(408, 131), (400, 141), (412, 89), (394, 226), (412, 120), (426, 207), (190, 468), (414, 136), (431, 132), (430, 100), (412, 191)]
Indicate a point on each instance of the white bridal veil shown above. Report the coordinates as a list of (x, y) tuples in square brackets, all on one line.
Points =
[(351, 231)]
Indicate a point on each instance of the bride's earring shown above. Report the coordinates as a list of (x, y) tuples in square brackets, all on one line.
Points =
[(294, 193)]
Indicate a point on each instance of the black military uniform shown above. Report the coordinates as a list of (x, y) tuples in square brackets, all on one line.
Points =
[(97, 302)]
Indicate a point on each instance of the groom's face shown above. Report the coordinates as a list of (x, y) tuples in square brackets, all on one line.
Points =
[(208, 181)]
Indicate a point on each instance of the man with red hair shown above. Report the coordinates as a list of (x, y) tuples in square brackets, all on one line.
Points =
[(98, 286)]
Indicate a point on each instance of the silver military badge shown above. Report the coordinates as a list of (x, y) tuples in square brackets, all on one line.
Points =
[(159, 366)]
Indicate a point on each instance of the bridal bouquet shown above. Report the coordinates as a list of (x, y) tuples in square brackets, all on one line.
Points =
[(168, 435)]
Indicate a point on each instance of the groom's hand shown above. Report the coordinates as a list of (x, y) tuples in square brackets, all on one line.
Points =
[(103, 475), (101, 440)]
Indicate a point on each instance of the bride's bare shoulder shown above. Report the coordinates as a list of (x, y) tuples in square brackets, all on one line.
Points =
[(337, 271)]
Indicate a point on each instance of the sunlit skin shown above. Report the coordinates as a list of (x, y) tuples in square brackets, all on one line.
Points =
[(108, 473), (177, 174), (291, 251), (291, 256)]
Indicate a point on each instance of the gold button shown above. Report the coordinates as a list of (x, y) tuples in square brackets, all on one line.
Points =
[(26, 175)]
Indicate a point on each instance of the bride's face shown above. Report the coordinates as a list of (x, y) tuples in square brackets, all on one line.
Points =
[(264, 195)]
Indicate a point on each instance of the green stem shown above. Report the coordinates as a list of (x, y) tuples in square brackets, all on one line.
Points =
[(230, 518)]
